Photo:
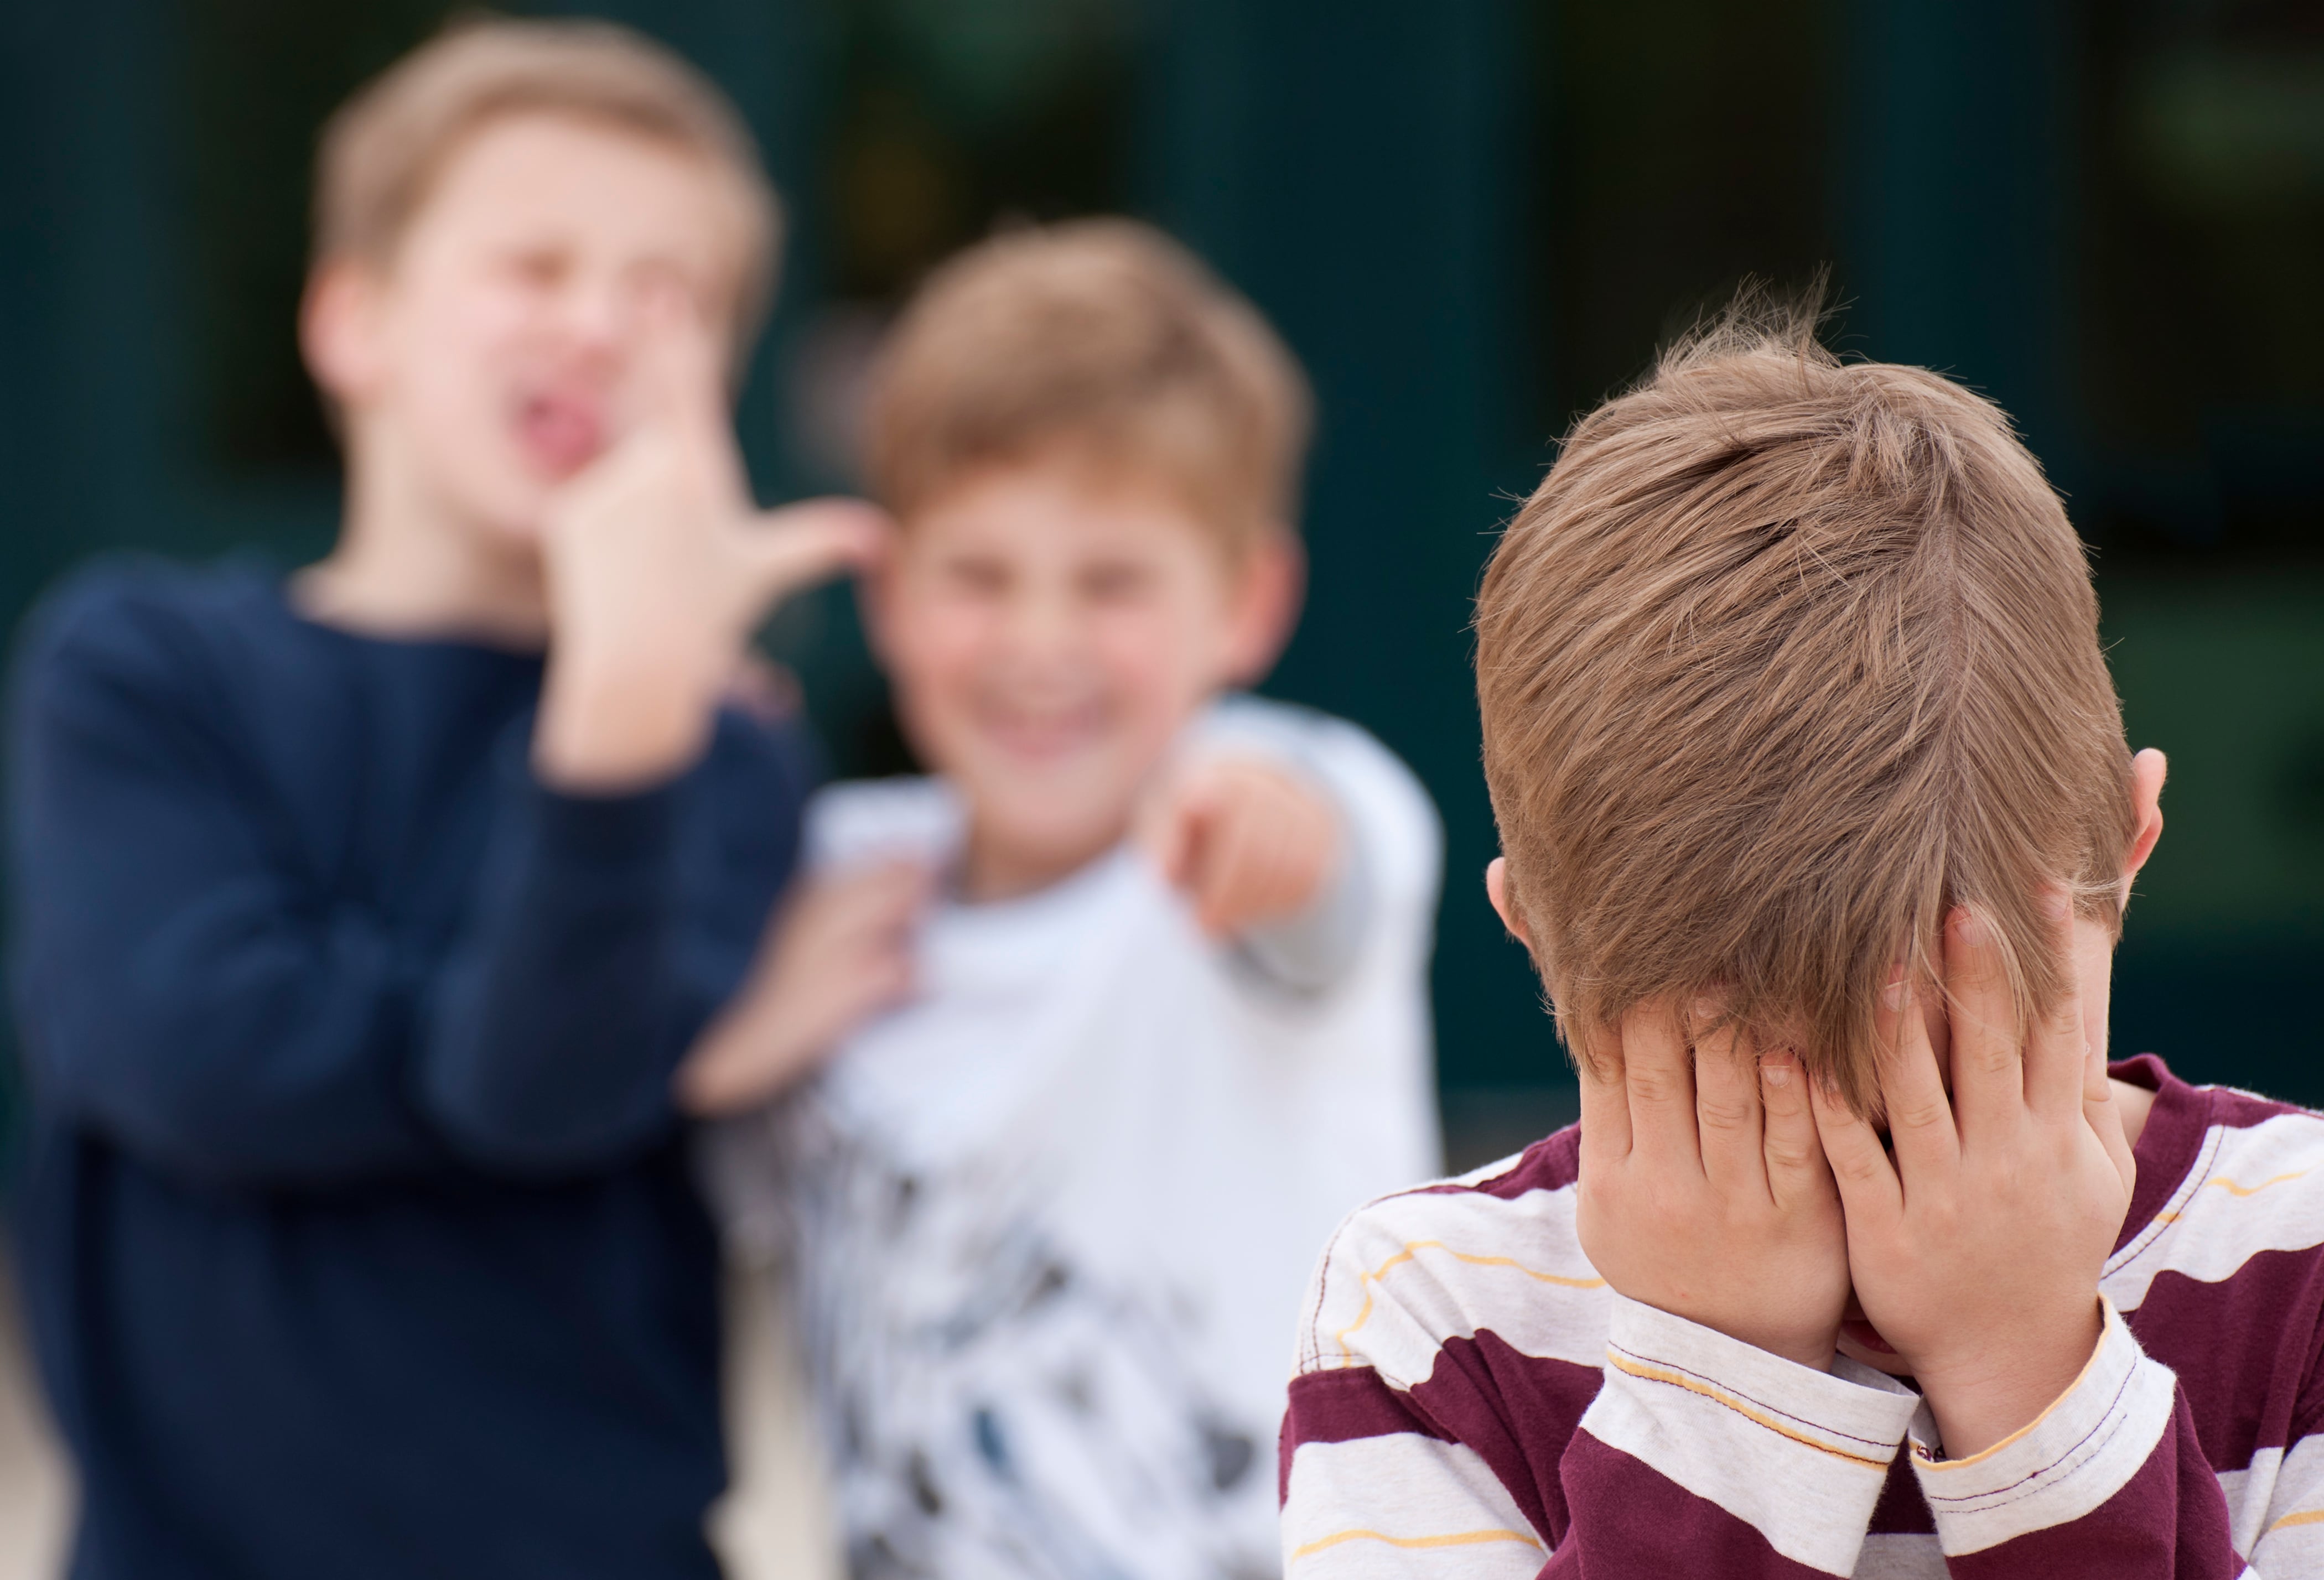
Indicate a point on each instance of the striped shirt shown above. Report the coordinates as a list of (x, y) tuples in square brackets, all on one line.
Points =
[(1471, 1399)]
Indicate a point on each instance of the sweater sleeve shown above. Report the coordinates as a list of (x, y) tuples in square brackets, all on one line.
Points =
[(190, 995), (2110, 1480)]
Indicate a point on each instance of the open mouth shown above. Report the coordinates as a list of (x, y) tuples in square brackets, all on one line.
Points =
[(1045, 732), (559, 434)]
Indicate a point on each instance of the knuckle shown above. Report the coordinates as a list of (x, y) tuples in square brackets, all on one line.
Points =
[(1654, 1085), (1788, 1153), (1722, 1114)]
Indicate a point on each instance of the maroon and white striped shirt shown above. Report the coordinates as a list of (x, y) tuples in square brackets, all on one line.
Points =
[(1472, 1400)]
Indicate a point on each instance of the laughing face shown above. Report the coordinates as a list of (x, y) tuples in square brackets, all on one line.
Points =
[(491, 357), (1050, 634)]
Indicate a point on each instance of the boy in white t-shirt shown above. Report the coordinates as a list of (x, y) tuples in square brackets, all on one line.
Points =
[(1125, 1008)]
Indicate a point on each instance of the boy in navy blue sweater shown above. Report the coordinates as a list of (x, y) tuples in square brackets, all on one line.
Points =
[(357, 939)]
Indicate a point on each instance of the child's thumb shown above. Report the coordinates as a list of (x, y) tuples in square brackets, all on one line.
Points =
[(794, 547)]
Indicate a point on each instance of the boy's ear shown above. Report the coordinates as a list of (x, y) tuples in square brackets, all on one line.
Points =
[(2148, 769), (1497, 889), (338, 333), (1271, 586)]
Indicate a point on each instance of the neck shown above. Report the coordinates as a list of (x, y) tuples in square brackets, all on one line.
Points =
[(407, 564), (995, 869)]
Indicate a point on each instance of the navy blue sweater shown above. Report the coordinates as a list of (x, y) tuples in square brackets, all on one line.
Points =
[(357, 1232)]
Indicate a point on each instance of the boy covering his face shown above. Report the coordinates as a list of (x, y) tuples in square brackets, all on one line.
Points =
[(359, 940), (1819, 822), (1153, 962)]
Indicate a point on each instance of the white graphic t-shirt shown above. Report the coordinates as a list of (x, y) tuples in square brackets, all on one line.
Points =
[(1049, 1222)]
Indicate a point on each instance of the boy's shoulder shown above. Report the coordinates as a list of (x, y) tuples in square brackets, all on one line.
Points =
[(132, 615), (2229, 1196), (1487, 1261)]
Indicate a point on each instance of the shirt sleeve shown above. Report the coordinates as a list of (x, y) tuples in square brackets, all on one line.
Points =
[(1700, 1445), (1392, 865), (2110, 1480), (188, 995), (1421, 1441)]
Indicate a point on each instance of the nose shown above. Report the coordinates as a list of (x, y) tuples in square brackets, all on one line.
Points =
[(1042, 625), (598, 313)]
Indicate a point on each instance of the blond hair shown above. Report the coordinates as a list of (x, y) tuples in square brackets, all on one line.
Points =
[(385, 147), (1786, 658), (1102, 338)]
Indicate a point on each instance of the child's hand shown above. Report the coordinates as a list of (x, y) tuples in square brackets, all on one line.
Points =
[(658, 568), (1976, 1250), (1247, 843), (1703, 1190), (840, 952)]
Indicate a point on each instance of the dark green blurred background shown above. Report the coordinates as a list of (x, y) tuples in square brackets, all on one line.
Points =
[(1471, 220)]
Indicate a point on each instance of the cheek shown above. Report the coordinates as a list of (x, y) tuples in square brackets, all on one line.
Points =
[(934, 649), (1162, 660), (462, 334)]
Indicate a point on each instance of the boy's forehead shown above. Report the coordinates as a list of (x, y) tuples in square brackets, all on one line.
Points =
[(584, 176), (1060, 500)]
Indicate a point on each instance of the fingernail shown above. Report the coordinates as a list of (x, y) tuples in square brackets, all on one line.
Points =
[(1777, 1074), (2058, 902), (1970, 928), (1897, 994)]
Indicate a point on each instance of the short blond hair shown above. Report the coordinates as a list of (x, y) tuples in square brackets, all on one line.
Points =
[(1104, 338), (385, 147), (1785, 658)]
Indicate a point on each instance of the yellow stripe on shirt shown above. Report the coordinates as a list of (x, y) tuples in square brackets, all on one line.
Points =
[(1457, 1539)]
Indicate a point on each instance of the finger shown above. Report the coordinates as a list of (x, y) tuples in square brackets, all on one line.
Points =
[(1660, 1085), (788, 550), (2104, 1116), (680, 379), (1921, 1124), (1234, 887), (1989, 1067), (1606, 1136), (1726, 1108), (2057, 1057), (1195, 807), (1868, 1189), (876, 900), (1794, 1157)]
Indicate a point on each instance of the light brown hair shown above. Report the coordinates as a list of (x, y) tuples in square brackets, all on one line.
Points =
[(1785, 658), (1102, 338), (386, 146)]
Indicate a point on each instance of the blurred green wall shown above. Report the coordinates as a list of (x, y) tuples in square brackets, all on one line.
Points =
[(1471, 220)]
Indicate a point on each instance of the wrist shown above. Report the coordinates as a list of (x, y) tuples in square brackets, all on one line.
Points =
[(2001, 1388), (608, 726)]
